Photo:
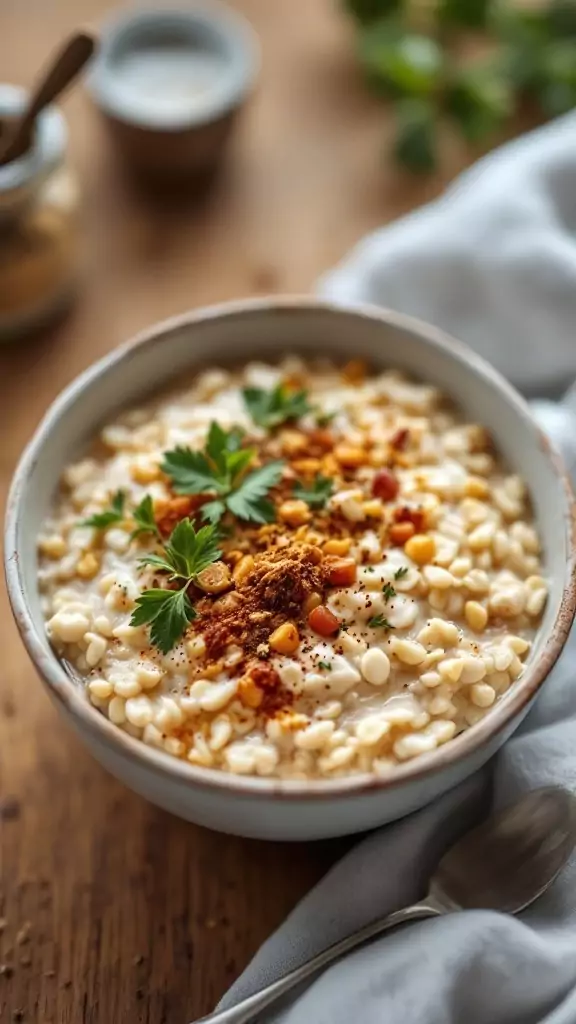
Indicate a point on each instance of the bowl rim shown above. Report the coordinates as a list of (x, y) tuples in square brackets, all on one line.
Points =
[(73, 699), (236, 35)]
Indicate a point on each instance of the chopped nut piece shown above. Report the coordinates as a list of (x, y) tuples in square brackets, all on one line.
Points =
[(215, 578), (294, 512)]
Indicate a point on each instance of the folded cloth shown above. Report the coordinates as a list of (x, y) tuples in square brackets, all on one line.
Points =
[(494, 263)]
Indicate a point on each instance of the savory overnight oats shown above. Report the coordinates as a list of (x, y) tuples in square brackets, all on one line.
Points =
[(298, 571)]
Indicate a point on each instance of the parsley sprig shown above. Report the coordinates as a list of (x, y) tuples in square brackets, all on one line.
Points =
[(401, 572), (186, 552), (143, 516), (269, 409), (379, 621), (317, 494), (113, 514), (168, 612), (221, 470), (388, 591)]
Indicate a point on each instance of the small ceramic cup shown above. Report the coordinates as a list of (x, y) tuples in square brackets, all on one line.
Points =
[(170, 83)]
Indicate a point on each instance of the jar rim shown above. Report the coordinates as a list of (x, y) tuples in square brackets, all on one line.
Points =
[(47, 150)]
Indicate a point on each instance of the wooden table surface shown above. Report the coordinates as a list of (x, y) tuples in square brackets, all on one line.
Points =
[(113, 911)]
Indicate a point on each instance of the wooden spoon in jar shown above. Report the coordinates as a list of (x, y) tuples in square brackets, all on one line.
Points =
[(62, 70)]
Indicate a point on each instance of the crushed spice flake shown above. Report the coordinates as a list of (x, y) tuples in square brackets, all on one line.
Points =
[(273, 591)]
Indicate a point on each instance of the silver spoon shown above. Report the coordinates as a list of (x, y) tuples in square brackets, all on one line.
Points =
[(504, 864)]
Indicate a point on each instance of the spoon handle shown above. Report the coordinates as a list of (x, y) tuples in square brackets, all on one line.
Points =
[(248, 1009), (63, 68), (74, 54)]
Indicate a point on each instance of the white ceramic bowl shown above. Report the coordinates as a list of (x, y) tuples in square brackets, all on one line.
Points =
[(262, 807)]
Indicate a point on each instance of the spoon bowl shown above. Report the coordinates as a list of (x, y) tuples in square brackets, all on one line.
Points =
[(509, 860)]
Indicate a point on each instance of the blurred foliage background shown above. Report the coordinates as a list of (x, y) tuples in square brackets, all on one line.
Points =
[(472, 64)]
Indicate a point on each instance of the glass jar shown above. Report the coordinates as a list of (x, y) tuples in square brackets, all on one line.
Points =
[(38, 225)]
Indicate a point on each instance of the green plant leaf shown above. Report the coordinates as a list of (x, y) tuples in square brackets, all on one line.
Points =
[(190, 472), (366, 11), (143, 516), (415, 144), (480, 99), (270, 409), (400, 63), (379, 621), (465, 13), (187, 552), (113, 514), (168, 612), (221, 470), (317, 494), (249, 500)]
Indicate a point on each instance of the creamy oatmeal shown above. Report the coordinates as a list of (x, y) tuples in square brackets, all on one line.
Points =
[(299, 571)]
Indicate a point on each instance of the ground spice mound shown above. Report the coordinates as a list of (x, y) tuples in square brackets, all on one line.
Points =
[(273, 592)]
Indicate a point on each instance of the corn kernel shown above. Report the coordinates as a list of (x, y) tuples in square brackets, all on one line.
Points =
[(354, 372), (311, 602), (88, 566), (52, 547), (285, 639), (293, 442), (243, 569), (144, 472), (337, 547), (350, 456), (476, 615), (401, 533), (476, 487), (373, 509), (294, 512), (307, 467), (420, 548), (250, 694)]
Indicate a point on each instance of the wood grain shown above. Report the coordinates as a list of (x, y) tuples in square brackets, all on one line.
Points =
[(130, 915)]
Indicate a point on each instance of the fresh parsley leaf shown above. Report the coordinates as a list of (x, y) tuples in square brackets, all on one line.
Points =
[(317, 495), (168, 613), (388, 591), (221, 470), (113, 514), (326, 665), (401, 572), (269, 409), (249, 500), (213, 511), (143, 516), (379, 621), (191, 472), (187, 552), (415, 145), (223, 447), (324, 419)]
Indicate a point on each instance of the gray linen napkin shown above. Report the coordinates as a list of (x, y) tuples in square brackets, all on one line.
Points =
[(493, 262)]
